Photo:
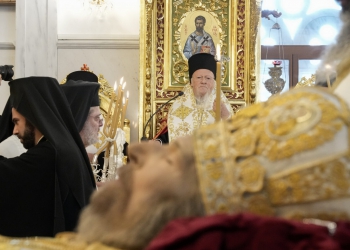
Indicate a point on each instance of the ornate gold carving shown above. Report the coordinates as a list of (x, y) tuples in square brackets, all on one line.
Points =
[(255, 10), (306, 82), (164, 69), (146, 62)]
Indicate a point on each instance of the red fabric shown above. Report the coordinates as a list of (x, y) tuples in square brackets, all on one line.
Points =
[(247, 231), (162, 131)]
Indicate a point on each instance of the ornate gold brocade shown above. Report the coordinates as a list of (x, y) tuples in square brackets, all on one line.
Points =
[(185, 115), (319, 182), (182, 112), (273, 154), (294, 120)]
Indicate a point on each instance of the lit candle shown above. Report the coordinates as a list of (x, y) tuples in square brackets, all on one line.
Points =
[(117, 107), (218, 84), (108, 120), (125, 105), (120, 107)]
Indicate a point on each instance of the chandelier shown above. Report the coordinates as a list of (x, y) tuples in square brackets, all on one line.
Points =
[(97, 7), (276, 84)]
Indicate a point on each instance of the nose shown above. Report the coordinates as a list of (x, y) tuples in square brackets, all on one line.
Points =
[(15, 130), (203, 80), (136, 153), (100, 122)]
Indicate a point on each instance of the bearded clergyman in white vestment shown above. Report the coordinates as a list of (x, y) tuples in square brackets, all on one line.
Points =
[(197, 106)]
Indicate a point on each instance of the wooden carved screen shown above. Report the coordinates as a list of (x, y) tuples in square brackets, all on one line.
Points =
[(165, 26)]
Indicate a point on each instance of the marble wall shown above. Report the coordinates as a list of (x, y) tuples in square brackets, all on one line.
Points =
[(54, 38), (7, 46)]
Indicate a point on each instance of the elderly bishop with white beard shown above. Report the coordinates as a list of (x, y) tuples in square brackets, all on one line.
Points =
[(197, 106)]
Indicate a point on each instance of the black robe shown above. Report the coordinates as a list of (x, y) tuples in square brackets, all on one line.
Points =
[(43, 191), (27, 185)]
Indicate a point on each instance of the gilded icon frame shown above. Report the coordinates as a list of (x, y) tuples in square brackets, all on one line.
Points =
[(163, 67)]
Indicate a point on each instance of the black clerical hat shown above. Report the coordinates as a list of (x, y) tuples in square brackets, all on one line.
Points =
[(82, 75), (202, 61), (81, 95)]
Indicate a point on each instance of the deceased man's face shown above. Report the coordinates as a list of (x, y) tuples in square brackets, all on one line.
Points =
[(157, 185)]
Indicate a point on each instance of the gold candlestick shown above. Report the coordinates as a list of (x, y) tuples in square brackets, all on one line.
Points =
[(218, 85), (113, 121)]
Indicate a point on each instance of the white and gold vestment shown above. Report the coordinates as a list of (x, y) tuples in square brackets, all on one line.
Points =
[(186, 115)]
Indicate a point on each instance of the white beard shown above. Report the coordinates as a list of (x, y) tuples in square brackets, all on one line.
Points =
[(88, 134), (203, 101)]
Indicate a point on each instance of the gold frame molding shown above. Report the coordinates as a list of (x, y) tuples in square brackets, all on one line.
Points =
[(160, 50)]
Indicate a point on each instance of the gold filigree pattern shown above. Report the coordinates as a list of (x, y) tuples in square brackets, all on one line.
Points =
[(182, 112), (251, 175), (217, 195), (286, 124), (242, 167), (325, 181), (184, 129)]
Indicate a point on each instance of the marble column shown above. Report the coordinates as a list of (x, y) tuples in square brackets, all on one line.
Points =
[(36, 38)]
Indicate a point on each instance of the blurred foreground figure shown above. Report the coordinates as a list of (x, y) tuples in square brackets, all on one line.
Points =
[(336, 61)]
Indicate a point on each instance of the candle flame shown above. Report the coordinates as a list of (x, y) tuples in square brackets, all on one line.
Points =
[(115, 85), (127, 94), (121, 80), (328, 66), (124, 84)]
